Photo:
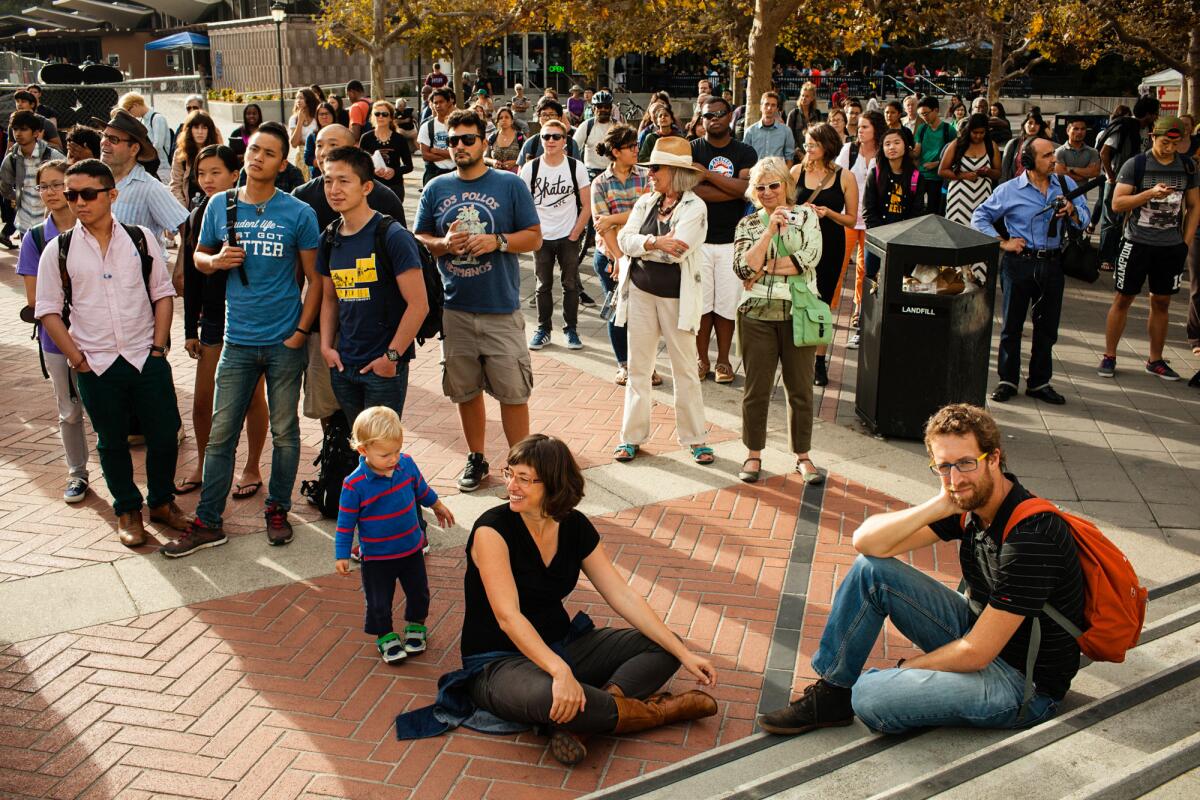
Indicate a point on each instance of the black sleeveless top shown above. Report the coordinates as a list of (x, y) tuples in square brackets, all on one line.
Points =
[(540, 588), (833, 235)]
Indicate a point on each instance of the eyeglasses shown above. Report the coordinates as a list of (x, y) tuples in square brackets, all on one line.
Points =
[(469, 139), (773, 186), (552, 137), (89, 194), (193, 108), (114, 139), (714, 114), (963, 465), (520, 479), (654, 168), (383, 113), (57, 186), (811, 146)]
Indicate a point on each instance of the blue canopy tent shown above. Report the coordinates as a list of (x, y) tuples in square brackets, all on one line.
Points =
[(178, 41)]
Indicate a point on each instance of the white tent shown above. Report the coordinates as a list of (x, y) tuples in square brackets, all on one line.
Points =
[(1165, 78), (1167, 86)]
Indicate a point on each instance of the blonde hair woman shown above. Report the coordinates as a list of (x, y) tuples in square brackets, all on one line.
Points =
[(777, 241)]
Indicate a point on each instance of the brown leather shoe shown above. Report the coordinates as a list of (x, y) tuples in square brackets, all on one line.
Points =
[(170, 515), (130, 530), (662, 709)]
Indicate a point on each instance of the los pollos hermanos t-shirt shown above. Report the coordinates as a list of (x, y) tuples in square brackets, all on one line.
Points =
[(554, 195), (266, 310), (495, 202)]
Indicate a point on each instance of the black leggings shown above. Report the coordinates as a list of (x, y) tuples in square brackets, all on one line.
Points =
[(518, 690)]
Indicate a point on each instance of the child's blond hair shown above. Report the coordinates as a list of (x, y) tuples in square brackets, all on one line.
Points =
[(378, 423)]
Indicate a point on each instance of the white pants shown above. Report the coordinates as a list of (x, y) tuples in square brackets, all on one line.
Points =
[(722, 286), (649, 319), (70, 416)]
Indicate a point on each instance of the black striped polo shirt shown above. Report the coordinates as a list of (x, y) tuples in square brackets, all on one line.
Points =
[(1037, 564)]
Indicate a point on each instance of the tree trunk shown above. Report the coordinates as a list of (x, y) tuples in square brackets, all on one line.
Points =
[(764, 36), (377, 53), (996, 68), (1189, 94)]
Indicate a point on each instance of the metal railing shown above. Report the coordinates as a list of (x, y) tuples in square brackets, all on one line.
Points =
[(18, 69)]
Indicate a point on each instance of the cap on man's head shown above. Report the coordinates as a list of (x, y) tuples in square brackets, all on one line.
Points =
[(1170, 127)]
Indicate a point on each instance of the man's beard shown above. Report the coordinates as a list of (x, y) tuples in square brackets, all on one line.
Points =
[(467, 161), (980, 493)]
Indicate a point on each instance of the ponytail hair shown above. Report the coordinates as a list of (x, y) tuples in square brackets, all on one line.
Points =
[(618, 137)]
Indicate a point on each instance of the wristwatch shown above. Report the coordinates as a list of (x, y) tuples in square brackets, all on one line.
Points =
[(162, 351), (392, 355), (501, 242)]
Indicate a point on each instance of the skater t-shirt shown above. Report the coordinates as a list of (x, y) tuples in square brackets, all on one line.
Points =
[(495, 202), (266, 309), (555, 195), (1158, 222)]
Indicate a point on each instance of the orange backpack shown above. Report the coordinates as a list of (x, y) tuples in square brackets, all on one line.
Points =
[(1114, 602)]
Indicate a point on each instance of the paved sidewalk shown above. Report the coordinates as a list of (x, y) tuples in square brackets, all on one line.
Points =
[(242, 671)]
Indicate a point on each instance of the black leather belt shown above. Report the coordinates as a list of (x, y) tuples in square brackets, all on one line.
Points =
[(1038, 255)]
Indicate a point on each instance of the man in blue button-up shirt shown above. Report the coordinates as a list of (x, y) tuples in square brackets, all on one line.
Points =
[(1030, 269)]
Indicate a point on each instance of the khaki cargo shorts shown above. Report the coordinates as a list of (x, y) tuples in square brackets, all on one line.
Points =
[(485, 352)]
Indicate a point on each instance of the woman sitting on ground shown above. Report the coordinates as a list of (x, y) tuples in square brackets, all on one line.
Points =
[(524, 660)]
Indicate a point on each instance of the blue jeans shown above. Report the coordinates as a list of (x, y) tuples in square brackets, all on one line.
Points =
[(1036, 282), (616, 333), (930, 615), (355, 391), (238, 372)]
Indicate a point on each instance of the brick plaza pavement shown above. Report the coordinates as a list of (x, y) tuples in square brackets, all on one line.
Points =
[(275, 692)]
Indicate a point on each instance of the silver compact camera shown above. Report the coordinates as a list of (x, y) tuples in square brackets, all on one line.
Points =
[(795, 218)]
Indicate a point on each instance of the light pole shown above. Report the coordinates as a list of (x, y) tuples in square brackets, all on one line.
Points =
[(279, 14)]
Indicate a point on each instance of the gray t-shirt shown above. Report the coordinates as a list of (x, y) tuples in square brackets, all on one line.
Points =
[(1071, 158), (1158, 222)]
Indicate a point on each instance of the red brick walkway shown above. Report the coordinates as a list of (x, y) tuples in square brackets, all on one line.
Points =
[(40, 534), (277, 692)]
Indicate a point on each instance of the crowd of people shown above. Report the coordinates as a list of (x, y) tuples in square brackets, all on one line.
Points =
[(306, 290)]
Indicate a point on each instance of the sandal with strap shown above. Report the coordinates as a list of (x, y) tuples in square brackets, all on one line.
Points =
[(750, 475), (702, 367), (814, 476), (703, 454), (723, 373), (625, 452)]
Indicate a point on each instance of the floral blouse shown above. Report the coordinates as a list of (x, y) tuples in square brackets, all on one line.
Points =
[(750, 230)]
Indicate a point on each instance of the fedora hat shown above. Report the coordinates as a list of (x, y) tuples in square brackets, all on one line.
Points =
[(128, 124), (672, 151)]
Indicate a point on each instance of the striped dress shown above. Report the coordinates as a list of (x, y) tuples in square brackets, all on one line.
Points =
[(963, 197)]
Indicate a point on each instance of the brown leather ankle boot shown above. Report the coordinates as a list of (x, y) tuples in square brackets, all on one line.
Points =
[(662, 709)]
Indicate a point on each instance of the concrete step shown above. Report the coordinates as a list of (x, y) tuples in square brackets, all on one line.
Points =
[(1159, 769), (853, 762)]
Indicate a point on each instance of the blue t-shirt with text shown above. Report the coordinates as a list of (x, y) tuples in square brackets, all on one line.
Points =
[(495, 202), (267, 309), (369, 301)]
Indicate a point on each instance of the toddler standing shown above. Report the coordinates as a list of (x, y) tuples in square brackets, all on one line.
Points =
[(380, 499)]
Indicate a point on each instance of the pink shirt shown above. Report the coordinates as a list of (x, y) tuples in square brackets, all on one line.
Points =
[(111, 315)]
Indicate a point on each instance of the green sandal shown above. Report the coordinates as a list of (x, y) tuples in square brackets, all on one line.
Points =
[(703, 454), (391, 648), (625, 452)]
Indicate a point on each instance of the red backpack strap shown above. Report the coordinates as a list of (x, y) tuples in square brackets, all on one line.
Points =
[(1026, 509)]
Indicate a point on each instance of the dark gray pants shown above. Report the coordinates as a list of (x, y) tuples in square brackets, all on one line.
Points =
[(566, 253), (518, 690), (1193, 319)]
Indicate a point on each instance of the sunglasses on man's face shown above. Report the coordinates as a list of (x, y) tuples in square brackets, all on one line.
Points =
[(469, 139), (552, 137), (111, 139), (89, 194), (714, 114), (190, 109)]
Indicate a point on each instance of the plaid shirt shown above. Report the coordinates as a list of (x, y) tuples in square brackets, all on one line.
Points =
[(612, 196)]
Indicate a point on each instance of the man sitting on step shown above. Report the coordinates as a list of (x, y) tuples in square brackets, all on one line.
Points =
[(972, 671)]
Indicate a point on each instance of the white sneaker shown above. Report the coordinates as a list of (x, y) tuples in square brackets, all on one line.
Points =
[(852, 343)]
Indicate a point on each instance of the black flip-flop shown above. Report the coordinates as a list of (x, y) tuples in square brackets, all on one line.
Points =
[(187, 487), (240, 493)]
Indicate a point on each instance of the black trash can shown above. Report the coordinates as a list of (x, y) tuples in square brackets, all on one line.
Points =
[(920, 351)]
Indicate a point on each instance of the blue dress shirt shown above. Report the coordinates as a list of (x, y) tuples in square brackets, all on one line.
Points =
[(1019, 203)]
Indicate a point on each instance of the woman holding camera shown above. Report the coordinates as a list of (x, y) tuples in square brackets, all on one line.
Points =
[(779, 240)]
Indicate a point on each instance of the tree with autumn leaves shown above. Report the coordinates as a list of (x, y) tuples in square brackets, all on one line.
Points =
[(1015, 35)]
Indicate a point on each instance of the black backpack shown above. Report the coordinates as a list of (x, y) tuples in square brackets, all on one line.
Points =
[(64, 246), (431, 326), (336, 461)]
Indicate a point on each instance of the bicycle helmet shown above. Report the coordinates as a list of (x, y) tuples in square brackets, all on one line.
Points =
[(602, 98)]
